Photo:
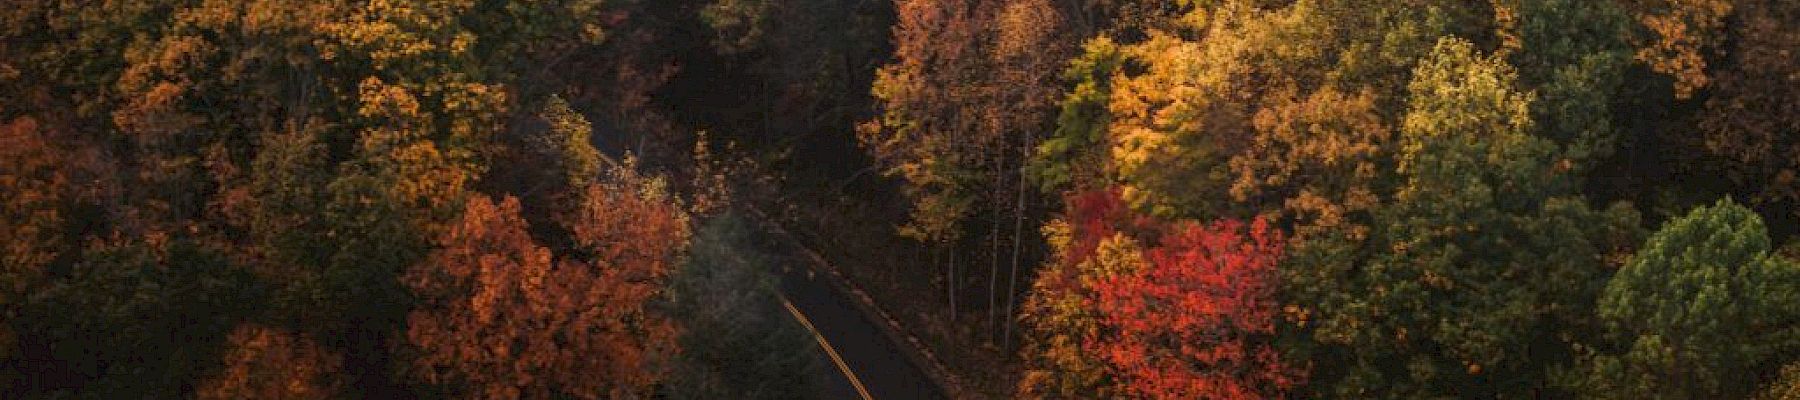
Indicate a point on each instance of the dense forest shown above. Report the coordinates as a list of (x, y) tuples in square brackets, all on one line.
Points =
[(1183, 199)]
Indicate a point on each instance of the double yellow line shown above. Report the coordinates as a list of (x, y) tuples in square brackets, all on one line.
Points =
[(829, 351)]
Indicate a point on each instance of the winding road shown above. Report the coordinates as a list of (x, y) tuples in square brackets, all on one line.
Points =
[(863, 363)]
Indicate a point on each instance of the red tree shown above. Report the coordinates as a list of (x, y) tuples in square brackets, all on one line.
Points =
[(1198, 321), (1097, 215)]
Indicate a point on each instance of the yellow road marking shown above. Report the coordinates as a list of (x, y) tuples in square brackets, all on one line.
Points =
[(829, 351)]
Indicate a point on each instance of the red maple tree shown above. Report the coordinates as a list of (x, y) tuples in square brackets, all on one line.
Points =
[(1197, 322)]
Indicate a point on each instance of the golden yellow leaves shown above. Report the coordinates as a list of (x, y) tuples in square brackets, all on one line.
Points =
[(392, 33), (1457, 90), (432, 166), (1024, 27), (1322, 154), (1175, 124), (568, 141), (380, 100)]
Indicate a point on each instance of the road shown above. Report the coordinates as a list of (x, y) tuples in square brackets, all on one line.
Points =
[(863, 356)]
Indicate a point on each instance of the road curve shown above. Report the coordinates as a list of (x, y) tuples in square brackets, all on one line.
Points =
[(857, 350)]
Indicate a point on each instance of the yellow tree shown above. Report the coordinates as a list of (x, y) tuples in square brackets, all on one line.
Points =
[(971, 86)]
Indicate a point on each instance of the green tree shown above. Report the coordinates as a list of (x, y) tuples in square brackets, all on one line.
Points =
[(135, 319), (1700, 312), (1476, 280), (1574, 53), (568, 143), (1074, 154), (737, 340)]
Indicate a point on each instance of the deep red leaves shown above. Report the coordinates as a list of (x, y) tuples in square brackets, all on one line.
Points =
[(1197, 321)]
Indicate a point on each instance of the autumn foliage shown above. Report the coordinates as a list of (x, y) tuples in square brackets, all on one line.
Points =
[(29, 214), (503, 319), (1196, 323), (1192, 316), (1237, 198), (268, 363)]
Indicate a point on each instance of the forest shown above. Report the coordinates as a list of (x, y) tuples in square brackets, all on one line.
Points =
[(1159, 199)]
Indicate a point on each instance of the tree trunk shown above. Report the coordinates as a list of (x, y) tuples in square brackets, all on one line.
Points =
[(952, 281), (1018, 239), (937, 256), (994, 258)]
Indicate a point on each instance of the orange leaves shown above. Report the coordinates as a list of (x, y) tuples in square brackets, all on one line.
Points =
[(265, 363), (505, 318), (34, 182), (1685, 33), (473, 316)]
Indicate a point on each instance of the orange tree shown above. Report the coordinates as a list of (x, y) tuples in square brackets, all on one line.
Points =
[(499, 317)]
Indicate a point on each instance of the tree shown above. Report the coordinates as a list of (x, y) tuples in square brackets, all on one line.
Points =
[(1074, 154), (1200, 127), (500, 318), (568, 143), (1321, 159), (1324, 143), (1700, 311), (1199, 320), (1753, 116), (1575, 55), (1057, 313), (972, 84), (1175, 126), (268, 363), (1684, 35), (1192, 316), (736, 340), (133, 319), (1476, 278), (550, 159), (1785, 387), (30, 217)]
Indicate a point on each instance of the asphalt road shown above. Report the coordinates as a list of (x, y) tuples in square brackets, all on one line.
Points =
[(870, 358)]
